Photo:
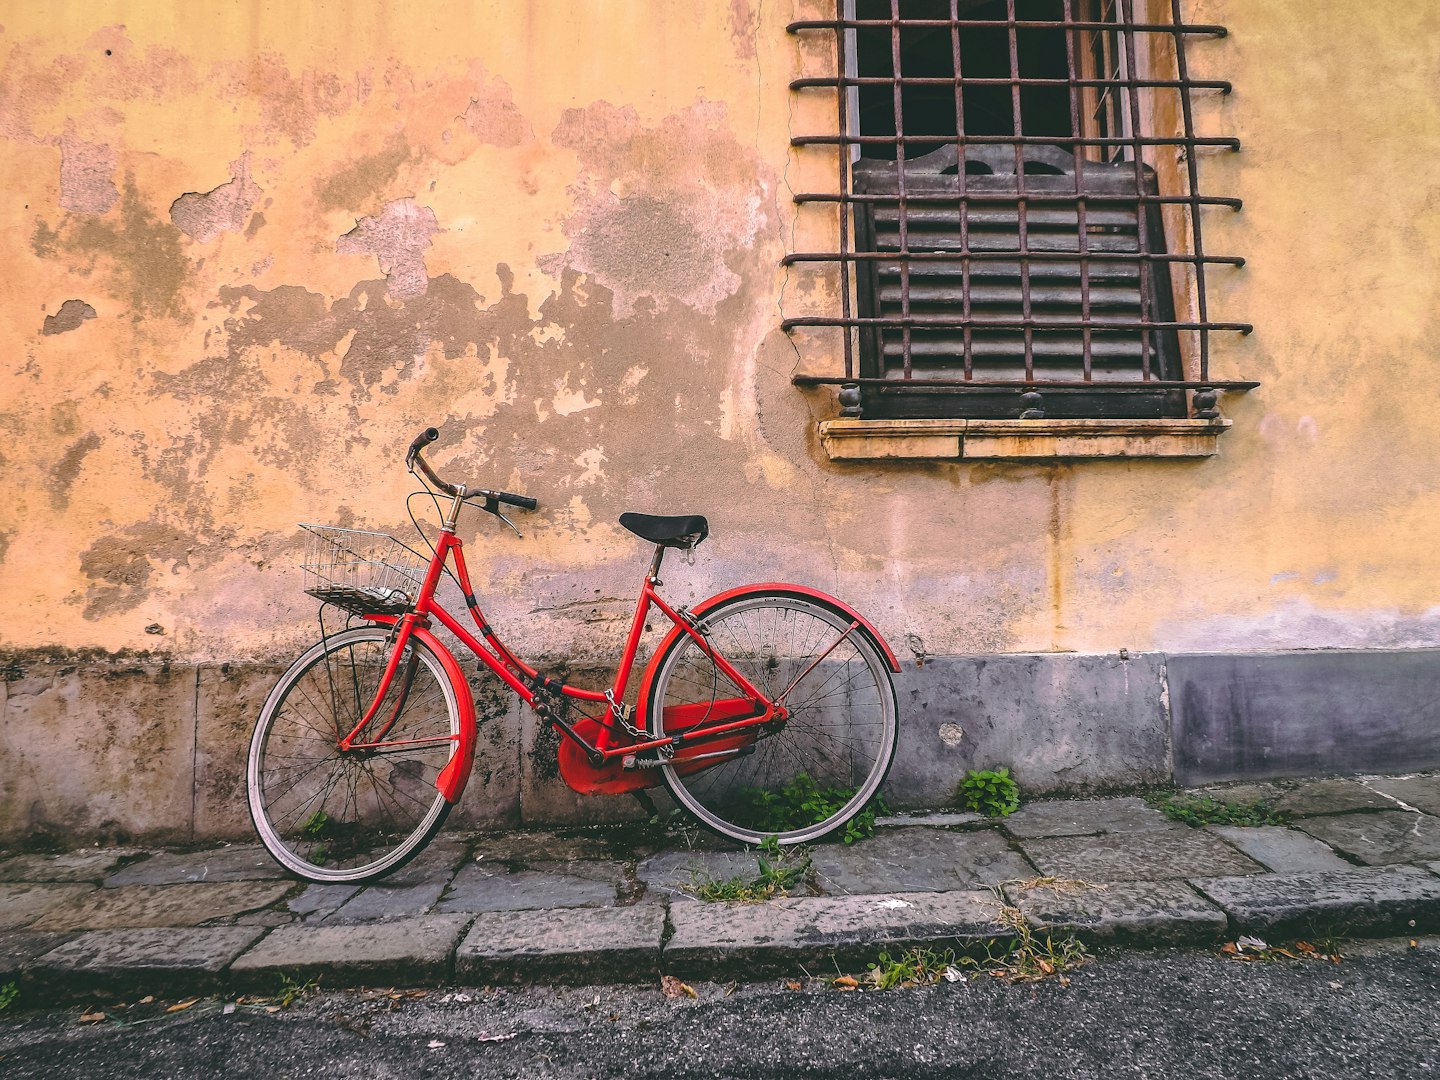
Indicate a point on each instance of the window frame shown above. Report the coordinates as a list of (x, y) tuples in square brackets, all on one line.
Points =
[(1180, 384)]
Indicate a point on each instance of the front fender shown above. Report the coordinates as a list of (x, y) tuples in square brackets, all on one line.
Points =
[(711, 603), (452, 779)]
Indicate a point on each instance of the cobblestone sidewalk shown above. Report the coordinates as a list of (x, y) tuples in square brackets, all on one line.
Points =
[(1356, 858)]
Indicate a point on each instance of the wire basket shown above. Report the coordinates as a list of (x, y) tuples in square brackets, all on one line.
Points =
[(363, 572)]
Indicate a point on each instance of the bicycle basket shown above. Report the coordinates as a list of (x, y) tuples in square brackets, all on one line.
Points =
[(360, 571)]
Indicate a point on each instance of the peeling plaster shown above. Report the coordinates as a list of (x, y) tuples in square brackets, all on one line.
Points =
[(68, 469), (397, 237), (361, 183), (87, 171), (145, 269), (222, 209), (119, 565), (493, 118), (658, 208), (71, 314)]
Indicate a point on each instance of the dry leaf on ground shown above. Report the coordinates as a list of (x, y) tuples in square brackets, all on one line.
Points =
[(674, 988)]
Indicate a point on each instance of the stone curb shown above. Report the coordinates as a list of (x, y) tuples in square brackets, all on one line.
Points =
[(1366, 901), (165, 961), (711, 941), (738, 940)]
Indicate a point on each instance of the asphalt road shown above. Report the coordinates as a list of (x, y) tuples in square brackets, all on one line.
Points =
[(1170, 1014)]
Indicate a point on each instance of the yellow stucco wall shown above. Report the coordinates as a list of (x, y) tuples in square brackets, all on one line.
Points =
[(555, 230)]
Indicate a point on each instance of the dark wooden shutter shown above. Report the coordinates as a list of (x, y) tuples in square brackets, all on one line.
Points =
[(989, 345)]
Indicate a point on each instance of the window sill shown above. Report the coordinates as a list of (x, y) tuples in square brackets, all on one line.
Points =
[(1009, 440)]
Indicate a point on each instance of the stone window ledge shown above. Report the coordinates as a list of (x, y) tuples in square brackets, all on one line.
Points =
[(1009, 440)]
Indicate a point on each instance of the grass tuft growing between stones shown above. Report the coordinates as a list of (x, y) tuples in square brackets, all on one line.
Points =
[(1198, 810)]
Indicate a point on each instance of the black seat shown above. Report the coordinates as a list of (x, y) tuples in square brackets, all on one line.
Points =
[(676, 532)]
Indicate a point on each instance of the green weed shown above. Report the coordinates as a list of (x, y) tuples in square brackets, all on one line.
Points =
[(915, 967), (781, 869), (9, 994), (803, 802), (989, 791), (1197, 810), (291, 991)]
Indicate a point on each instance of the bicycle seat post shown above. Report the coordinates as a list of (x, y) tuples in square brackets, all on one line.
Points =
[(655, 564)]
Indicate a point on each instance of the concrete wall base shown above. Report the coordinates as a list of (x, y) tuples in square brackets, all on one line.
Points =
[(113, 753)]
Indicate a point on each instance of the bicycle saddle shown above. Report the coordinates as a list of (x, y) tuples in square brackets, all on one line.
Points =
[(676, 532)]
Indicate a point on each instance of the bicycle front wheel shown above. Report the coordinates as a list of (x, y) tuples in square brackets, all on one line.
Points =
[(332, 815), (798, 779)]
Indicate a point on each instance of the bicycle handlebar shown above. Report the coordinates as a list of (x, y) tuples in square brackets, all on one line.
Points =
[(413, 458)]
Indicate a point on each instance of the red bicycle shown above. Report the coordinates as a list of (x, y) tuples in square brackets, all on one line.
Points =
[(754, 700)]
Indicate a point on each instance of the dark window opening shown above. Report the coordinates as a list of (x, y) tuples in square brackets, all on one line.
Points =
[(1009, 233), (929, 51)]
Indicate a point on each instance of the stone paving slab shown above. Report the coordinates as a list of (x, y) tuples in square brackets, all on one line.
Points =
[(479, 888), (735, 940), (1148, 856), (22, 904), (19, 947), (1281, 850), (161, 905), (319, 901), (935, 821), (1267, 791), (1086, 817), (439, 860), (403, 952), (1361, 900), (159, 961), (607, 870), (72, 866), (380, 902), (572, 945), (537, 846), (1123, 912), (1390, 836), (918, 860), (249, 862), (669, 873), (1335, 796), (1421, 792)]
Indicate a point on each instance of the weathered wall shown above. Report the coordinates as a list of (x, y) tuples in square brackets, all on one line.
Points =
[(250, 255)]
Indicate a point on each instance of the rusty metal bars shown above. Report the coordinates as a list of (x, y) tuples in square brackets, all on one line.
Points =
[(907, 196)]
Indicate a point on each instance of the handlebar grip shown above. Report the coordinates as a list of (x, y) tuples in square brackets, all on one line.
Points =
[(525, 502), (424, 439)]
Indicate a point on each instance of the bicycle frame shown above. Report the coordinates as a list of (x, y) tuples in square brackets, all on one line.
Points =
[(740, 718), (737, 714)]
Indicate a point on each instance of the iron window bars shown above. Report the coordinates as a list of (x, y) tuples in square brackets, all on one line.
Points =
[(1009, 253)]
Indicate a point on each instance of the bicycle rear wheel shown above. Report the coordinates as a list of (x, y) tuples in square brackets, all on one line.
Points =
[(799, 779), (329, 815)]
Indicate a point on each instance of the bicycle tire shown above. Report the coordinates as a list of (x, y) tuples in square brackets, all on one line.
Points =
[(333, 816), (840, 734)]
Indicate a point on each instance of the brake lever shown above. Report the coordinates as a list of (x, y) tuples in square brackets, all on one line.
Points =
[(492, 506)]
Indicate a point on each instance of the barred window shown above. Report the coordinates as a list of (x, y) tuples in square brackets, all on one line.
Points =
[(1020, 220)]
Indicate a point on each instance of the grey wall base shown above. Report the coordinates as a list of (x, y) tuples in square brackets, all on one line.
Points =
[(112, 753), (1304, 714)]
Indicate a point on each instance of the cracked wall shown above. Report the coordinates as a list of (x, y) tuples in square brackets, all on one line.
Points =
[(250, 260), (259, 264)]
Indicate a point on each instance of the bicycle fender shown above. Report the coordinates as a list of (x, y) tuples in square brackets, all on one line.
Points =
[(710, 603), (452, 779)]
